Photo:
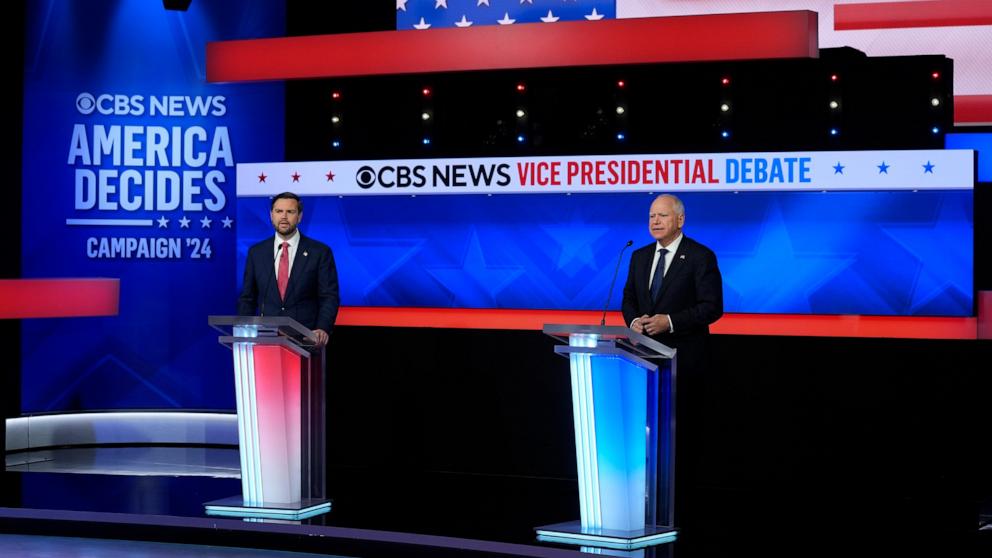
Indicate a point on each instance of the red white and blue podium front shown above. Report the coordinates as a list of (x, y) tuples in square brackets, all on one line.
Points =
[(279, 380), (623, 409)]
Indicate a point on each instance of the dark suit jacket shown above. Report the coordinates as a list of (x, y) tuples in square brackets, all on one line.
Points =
[(691, 292), (311, 295)]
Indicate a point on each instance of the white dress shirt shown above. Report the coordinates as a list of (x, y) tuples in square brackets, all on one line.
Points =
[(294, 243)]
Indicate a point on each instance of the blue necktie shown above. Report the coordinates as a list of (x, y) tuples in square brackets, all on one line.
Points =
[(659, 274)]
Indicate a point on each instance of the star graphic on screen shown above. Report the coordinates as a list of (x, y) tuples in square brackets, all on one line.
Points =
[(482, 2), (944, 249), (184, 223), (373, 263), (506, 19), (330, 176), (262, 177), (838, 168), (594, 16), (441, 4), (775, 276), (550, 18), (476, 283), (205, 222), (421, 25), (401, 5), (928, 168), (575, 241), (463, 22), (163, 222), (227, 222), (883, 168), (295, 176)]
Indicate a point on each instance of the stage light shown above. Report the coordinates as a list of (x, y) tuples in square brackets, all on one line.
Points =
[(935, 130), (521, 87), (935, 102), (425, 116), (336, 95), (621, 110), (725, 134), (621, 136), (335, 119), (834, 131), (724, 107), (520, 138), (834, 104), (521, 113), (725, 81), (935, 75), (426, 141), (834, 77), (426, 91), (621, 84), (335, 144)]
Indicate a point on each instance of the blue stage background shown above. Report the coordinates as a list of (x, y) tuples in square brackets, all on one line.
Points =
[(159, 352), (885, 253)]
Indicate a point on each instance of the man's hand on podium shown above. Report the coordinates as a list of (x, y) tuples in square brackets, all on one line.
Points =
[(320, 337)]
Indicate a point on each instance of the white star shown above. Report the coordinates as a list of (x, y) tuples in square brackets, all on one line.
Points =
[(163, 222), (422, 25), (184, 223), (441, 4), (227, 222), (205, 222), (506, 19), (528, 1), (481, 2), (401, 5), (463, 22), (594, 16), (550, 18)]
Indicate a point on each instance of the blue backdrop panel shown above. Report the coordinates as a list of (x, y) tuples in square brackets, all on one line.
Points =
[(120, 125), (885, 253)]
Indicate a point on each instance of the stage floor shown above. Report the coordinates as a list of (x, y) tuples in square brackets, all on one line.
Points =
[(156, 494)]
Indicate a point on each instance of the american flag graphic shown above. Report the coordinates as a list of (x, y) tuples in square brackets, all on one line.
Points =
[(433, 14)]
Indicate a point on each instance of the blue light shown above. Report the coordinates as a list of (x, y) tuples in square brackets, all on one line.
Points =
[(935, 130), (725, 134), (834, 131), (520, 138), (335, 144), (426, 141), (621, 136)]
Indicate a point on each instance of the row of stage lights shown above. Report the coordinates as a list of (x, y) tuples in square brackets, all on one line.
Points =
[(427, 114)]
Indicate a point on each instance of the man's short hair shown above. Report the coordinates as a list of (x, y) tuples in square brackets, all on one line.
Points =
[(677, 204), (287, 196)]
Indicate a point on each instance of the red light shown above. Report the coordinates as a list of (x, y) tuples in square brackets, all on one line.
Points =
[(936, 75), (725, 81), (521, 87), (833, 77), (336, 95), (426, 91), (621, 84)]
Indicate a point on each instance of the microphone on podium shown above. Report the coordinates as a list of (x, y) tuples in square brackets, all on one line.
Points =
[(630, 243)]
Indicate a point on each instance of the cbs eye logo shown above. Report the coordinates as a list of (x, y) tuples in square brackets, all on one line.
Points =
[(365, 177), (85, 103)]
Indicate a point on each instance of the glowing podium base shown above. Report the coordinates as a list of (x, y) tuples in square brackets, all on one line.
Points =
[(279, 382), (623, 406)]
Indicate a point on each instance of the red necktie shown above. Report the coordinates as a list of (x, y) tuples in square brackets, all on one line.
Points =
[(283, 278)]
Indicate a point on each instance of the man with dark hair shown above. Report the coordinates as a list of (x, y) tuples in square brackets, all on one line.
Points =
[(291, 275)]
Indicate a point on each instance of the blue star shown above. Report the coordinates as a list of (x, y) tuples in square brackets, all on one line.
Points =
[(476, 284), (928, 168), (776, 277), (576, 241), (883, 168), (838, 168)]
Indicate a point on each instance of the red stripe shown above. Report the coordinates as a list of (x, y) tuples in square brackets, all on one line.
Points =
[(58, 298), (732, 324), (973, 109), (533, 45), (929, 13), (985, 314)]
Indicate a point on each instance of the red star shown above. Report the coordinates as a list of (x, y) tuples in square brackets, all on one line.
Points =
[(296, 177), (330, 176), (262, 177)]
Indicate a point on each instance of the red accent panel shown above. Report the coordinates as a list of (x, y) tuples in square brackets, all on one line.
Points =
[(985, 314), (533, 45), (731, 324), (973, 109), (58, 298), (928, 13)]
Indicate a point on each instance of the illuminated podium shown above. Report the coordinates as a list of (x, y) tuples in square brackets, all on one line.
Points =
[(279, 384), (623, 407)]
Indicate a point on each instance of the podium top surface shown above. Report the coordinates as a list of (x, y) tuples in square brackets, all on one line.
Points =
[(264, 327), (636, 343)]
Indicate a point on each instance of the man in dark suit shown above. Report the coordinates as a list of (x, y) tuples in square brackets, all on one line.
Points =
[(291, 275), (673, 293)]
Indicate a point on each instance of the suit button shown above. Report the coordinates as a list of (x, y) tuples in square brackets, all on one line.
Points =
[(283, 308)]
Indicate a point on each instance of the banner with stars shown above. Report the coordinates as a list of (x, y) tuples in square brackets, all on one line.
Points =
[(129, 172), (869, 232), (427, 14)]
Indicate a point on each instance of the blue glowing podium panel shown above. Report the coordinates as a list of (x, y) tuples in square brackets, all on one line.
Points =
[(623, 403)]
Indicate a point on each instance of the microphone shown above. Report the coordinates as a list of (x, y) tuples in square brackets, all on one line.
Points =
[(268, 283), (614, 281)]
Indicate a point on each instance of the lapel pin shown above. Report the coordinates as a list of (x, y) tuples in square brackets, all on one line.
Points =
[(682, 257), (305, 254)]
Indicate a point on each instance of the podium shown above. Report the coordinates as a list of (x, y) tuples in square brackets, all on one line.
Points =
[(623, 408), (279, 381)]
